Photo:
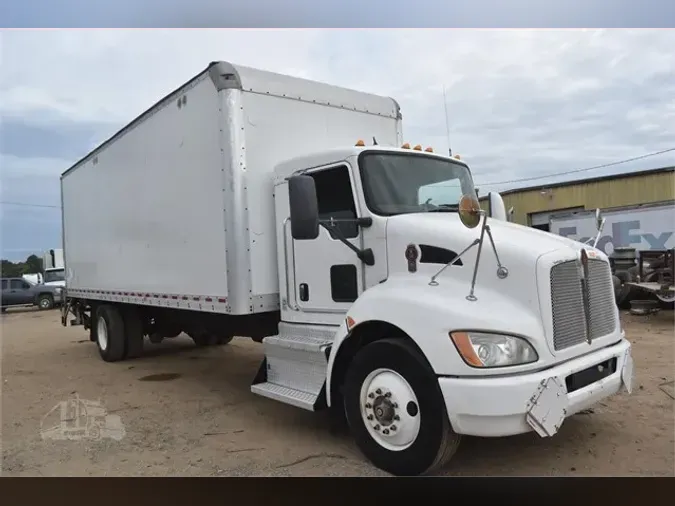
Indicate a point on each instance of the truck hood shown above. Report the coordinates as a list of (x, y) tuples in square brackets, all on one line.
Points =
[(527, 253), (445, 230)]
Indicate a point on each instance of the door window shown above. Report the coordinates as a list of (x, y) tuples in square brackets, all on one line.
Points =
[(336, 199), (17, 284), (4, 284)]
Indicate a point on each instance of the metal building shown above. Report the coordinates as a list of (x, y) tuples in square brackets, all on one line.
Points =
[(533, 206)]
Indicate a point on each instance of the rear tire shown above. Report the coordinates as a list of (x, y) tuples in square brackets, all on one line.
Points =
[(203, 339), (390, 386), (45, 302), (222, 341), (133, 329), (109, 331)]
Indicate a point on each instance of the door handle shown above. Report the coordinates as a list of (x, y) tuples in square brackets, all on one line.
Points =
[(304, 292)]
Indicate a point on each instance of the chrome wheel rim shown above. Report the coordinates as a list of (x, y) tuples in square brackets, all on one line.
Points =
[(102, 334), (390, 409)]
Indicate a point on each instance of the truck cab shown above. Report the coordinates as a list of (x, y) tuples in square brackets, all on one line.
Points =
[(388, 267)]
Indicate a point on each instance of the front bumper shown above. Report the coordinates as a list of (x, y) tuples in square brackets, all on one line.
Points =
[(509, 405)]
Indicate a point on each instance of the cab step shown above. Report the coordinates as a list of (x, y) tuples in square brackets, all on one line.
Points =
[(295, 365)]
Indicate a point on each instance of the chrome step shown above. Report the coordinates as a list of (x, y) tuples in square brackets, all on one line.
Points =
[(295, 365), (297, 398)]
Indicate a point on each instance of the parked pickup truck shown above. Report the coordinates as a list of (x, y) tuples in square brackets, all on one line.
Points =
[(19, 292)]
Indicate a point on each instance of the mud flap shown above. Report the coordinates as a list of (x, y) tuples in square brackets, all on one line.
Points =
[(547, 407)]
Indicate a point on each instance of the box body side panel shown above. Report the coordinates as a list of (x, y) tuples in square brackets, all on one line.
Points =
[(146, 213), (279, 129)]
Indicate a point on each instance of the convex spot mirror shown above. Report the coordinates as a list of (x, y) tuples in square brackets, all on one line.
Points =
[(469, 211)]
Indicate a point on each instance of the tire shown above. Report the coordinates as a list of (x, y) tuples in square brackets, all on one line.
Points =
[(202, 339), (109, 331), (133, 331), (223, 340), (424, 439), (45, 301)]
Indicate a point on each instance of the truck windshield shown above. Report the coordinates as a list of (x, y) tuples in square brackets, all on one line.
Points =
[(398, 183), (55, 275)]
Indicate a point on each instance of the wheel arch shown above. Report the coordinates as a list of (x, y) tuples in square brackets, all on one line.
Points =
[(357, 338)]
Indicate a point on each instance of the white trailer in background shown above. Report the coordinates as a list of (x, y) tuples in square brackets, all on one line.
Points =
[(646, 227), (244, 204)]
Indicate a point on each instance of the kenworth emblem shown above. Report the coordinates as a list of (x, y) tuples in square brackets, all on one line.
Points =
[(411, 257)]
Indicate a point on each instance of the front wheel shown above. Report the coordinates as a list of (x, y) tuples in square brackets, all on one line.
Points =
[(45, 302), (396, 411)]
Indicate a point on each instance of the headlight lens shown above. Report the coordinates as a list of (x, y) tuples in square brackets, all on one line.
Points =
[(483, 349)]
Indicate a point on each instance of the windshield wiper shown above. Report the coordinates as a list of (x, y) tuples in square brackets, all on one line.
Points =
[(444, 208)]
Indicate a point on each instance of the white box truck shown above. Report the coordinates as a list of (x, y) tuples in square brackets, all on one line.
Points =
[(253, 204), (53, 268)]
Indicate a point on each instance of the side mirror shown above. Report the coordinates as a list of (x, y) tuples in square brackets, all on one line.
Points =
[(497, 207), (510, 213), (599, 221), (304, 208)]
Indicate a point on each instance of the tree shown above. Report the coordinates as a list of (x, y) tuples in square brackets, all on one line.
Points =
[(33, 264)]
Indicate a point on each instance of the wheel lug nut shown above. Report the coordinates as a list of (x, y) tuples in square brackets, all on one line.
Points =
[(395, 405), (377, 427), (393, 428), (378, 391), (385, 431), (371, 395), (397, 418), (388, 394), (370, 417), (368, 405)]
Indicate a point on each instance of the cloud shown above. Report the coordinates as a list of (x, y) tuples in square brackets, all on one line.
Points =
[(330, 14), (520, 103)]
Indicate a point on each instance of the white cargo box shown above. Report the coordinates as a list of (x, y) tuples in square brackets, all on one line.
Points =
[(176, 209)]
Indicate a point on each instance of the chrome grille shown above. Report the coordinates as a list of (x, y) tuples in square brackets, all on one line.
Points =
[(567, 303)]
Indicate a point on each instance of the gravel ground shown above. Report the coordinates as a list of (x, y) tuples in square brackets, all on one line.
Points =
[(189, 412)]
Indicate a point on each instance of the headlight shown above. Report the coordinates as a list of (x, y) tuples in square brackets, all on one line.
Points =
[(483, 349)]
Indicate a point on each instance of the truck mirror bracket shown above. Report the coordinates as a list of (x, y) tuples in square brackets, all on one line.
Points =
[(365, 255)]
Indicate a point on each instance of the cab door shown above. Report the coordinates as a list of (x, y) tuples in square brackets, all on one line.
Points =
[(19, 292), (328, 274)]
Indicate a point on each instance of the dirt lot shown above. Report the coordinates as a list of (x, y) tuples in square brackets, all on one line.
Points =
[(189, 411)]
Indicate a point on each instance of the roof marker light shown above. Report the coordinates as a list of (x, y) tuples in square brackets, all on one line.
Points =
[(360, 143), (457, 157), (429, 149), (418, 147), (405, 146)]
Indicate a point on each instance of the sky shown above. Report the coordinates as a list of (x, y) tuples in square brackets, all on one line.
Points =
[(521, 103)]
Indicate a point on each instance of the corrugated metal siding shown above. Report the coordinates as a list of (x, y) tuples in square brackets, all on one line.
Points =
[(641, 189)]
